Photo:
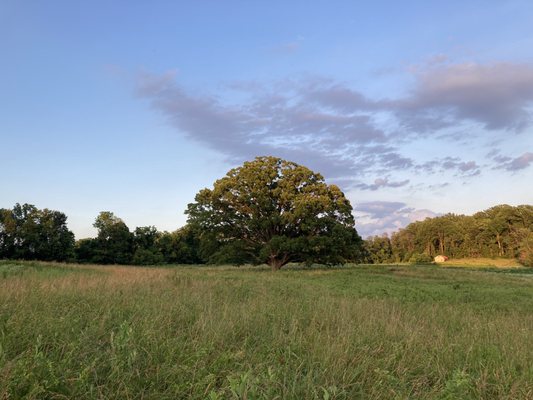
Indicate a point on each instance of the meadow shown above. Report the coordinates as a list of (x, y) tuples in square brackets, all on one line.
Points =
[(197, 332)]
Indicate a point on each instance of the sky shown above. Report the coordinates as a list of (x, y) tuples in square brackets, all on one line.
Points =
[(413, 108)]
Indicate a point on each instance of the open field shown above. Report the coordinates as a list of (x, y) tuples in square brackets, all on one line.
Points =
[(359, 332)]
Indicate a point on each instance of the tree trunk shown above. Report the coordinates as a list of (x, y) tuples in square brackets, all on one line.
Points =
[(276, 262), (500, 251)]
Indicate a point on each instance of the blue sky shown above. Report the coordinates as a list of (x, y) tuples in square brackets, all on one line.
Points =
[(413, 108)]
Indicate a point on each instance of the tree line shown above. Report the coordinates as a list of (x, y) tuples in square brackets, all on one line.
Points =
[(29, 233), (501, 231), (268, 211)]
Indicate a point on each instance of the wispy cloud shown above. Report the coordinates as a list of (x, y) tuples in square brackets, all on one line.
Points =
[(289, 47), (453, 164), (284, 124), (380, 183), (325, 123), (518, 163), (509, 163)]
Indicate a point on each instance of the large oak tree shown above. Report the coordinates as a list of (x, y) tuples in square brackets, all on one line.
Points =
[(275, 211)]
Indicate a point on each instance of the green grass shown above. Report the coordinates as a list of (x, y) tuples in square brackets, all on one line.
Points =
[(359, 332), (34, 268)]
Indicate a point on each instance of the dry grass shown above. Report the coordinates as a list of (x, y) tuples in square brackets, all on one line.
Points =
[(482, 262)]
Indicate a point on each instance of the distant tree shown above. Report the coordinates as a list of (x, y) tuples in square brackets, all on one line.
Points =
[(378, 249), (525, 250), (403, 243), (56, 241), (146, 237), (86, 250), (27, 232), (146, 257), (275, 211), (187, 246), (114, 240), (146, 251), (522, 235), (8, 233)]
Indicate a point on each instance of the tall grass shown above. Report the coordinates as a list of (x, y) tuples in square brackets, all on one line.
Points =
[(358, 332)]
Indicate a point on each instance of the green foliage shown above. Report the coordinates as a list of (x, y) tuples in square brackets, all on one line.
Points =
[(525, 251), (182, 246), (114, 240), (235, 252), (459, 386), (29, 233), (145, 246), (418, 258), (147, 257), (146, 237), (276, 211), (378, 250), (86, 250)]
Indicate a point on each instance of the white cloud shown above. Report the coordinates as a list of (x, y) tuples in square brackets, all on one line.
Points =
[(377, 217)]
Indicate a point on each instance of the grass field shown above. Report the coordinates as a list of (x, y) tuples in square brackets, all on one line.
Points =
[(358, 332), (482, 263)]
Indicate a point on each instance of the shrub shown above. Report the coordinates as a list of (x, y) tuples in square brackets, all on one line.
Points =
[(421, 258)]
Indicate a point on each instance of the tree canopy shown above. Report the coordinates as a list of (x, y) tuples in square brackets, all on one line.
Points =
[(275, 211), (27, 232)]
